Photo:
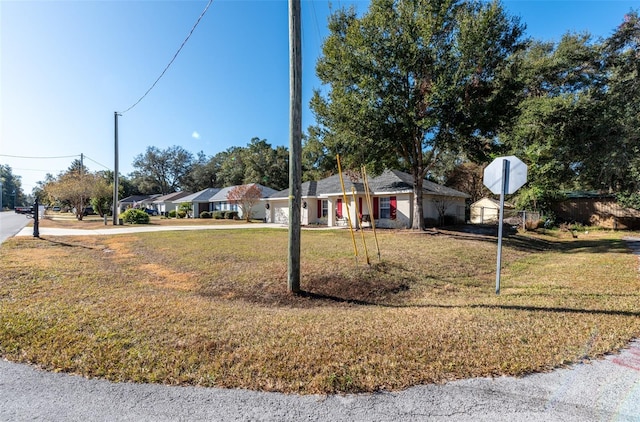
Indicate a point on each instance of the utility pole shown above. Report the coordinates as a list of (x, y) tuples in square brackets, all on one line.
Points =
[(295, 144), (115, 169)]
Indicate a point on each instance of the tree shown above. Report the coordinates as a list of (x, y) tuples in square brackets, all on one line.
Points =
[(414, 78), (468, 177), (559, 126), (266, 165), (246, 197), (12, 193), (102, 193), (620, 158), (317, 161), (162, 171), (73, 187), (202, 174), (232, 167)]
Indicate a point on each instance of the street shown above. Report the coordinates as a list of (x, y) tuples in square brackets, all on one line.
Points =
[(11, 223)]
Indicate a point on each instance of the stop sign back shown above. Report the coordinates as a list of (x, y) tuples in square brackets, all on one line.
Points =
[(516, 175)]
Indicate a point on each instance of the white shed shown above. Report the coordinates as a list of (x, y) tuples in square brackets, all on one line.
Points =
[(487, 211)]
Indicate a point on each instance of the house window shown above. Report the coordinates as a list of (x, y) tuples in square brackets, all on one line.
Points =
[(323, 208), (385, 208), (388, 207)]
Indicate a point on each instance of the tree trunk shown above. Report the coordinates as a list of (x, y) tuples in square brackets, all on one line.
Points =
[(418, 212)]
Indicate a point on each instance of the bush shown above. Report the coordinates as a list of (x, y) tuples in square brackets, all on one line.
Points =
[(135, 216), (218, 215), (182, 214), (205, 214), (231, 215), (172, 214)]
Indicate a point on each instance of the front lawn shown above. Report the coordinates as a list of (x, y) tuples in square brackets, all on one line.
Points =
[(211, 308)]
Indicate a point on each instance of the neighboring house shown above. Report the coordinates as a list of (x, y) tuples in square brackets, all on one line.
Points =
[(163, 204), (137, 201), (220, 202), (391, 202), (199, 201), (487, 211)]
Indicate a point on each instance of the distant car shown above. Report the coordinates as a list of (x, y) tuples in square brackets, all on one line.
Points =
[(56, 209), (151, 211), (88, 211)]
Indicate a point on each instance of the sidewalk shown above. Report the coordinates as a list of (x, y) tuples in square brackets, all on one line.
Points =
[(137, 228)]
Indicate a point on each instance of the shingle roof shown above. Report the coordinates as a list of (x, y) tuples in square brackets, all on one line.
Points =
[(390, 181), (222, 195), (170, 197), (201, 196), (134, 198)]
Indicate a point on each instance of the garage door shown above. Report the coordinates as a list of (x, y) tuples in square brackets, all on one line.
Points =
[(281, 214)]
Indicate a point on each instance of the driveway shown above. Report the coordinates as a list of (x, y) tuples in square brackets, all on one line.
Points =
[(607, 389)]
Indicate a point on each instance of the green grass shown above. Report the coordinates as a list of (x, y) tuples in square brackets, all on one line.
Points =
[(211, 308)]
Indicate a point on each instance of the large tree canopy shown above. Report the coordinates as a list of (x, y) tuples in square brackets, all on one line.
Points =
[(411, 79), (258, 162), (162, 171)]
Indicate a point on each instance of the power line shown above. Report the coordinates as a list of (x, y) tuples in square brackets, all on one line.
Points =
[(174, 57), (100, 164), (39, 158)]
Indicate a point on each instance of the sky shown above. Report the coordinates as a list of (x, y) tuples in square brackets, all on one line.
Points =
[(67, 66)]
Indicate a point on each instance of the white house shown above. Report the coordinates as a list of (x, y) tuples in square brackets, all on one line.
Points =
[(220, 201), (391, 196), (199, 201), (163, 204)]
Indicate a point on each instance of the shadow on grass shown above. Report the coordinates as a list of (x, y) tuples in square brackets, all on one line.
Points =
[(535, 244), (561, 310), (61, 242)]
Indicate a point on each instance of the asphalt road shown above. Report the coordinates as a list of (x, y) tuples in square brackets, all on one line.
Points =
[(607, 389), (11, 223)]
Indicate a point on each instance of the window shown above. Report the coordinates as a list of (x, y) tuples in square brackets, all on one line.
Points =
[(388, 207), (325, 208), (385, 208)]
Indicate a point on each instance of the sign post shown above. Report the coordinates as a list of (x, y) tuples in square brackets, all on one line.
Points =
[(504, 176)]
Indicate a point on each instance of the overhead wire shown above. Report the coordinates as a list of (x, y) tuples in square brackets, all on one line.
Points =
[(171, 61), (39, 158), (100, 164)]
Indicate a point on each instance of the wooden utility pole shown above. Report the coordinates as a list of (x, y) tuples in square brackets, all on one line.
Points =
[(115, 169), (295, 144)]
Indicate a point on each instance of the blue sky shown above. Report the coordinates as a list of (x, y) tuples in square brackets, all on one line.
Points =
[(66, 66)]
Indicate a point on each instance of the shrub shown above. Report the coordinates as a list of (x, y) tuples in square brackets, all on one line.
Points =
[(172, 214), (205, 214), (135, 216), (182, 214), (218, 215), (231, 215)]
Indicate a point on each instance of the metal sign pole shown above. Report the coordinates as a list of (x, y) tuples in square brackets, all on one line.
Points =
[(504, 187)]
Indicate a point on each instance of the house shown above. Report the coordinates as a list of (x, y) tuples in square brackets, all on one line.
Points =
[(199, 201), (220, 201), (163, 204), (487, 211), (391, 202), (137, 201)]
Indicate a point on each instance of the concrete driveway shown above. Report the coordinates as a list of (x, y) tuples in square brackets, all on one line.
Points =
[(607, 389)]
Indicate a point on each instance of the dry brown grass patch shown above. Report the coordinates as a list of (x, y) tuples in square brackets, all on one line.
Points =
[(211, 308)]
